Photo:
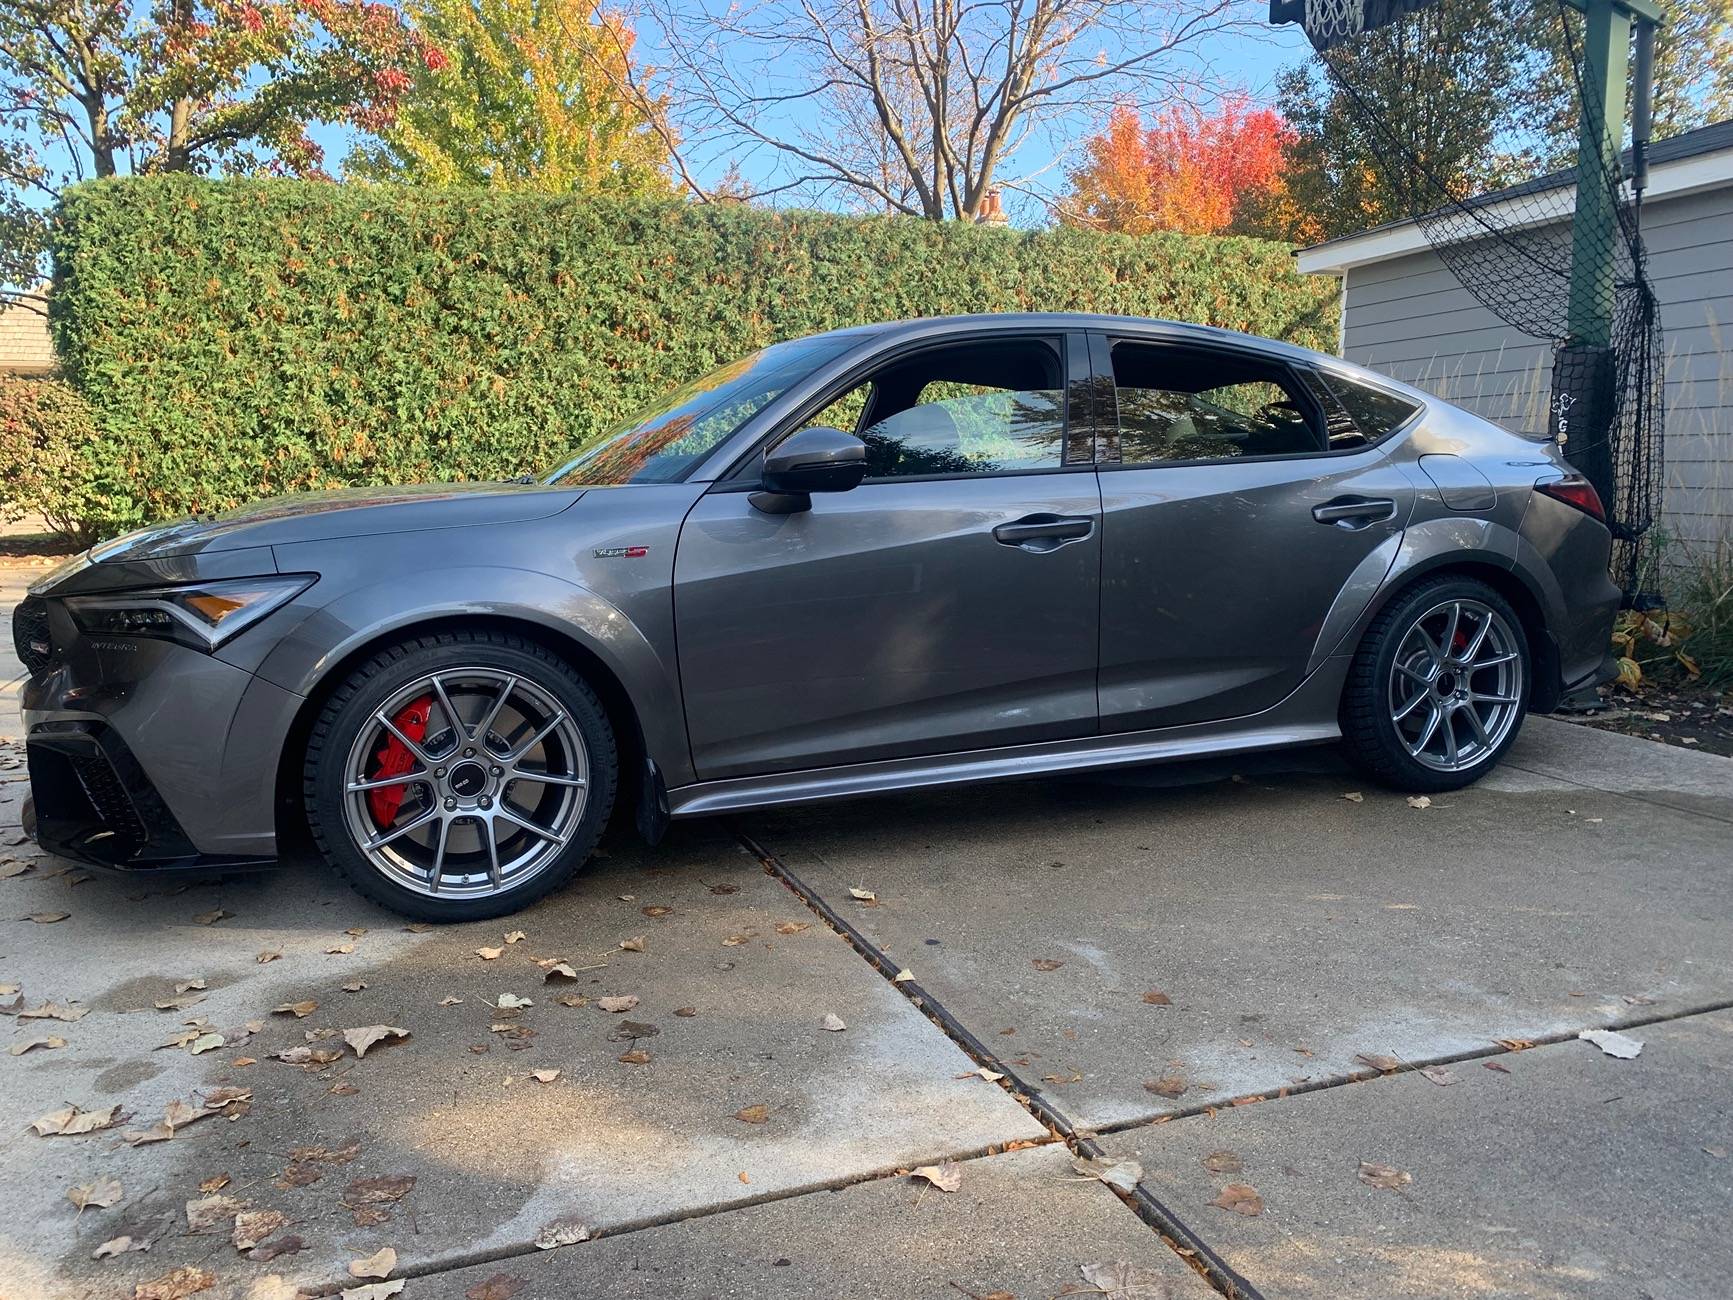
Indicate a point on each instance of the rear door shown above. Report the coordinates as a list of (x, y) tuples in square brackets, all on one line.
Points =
[(947, 603), (1238, 497)]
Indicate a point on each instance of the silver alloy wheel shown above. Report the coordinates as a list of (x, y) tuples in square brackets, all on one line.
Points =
[(1456, 685), (487, 795)]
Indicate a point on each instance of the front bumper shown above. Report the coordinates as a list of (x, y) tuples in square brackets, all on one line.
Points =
[(145, 754)]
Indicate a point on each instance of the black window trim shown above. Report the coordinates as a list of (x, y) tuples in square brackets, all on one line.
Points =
[(1101, 353), (1075, 372)]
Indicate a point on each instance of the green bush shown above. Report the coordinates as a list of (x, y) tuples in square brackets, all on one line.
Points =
[(241, 338), (47, 453)]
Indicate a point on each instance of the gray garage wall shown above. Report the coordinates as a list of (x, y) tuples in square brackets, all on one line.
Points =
[(1409, 318)]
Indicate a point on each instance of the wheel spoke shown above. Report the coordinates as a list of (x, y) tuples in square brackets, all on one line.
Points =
[(548, 726), (1426, 732), (501, 810), (438, 868), (1493, 662), (1479, 638), (382, 782), (412, 746), (493, 872), (1447, 643), (1474, 697), (414, 823), (492, 714), (1414, 701), (1451, 754), (1425, 679), (547, 778), (1474, 720), (460, 733)]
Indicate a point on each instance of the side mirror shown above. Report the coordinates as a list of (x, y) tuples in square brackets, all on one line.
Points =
[(813, 460)]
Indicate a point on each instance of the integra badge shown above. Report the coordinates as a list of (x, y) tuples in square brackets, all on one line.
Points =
[(622, 552)]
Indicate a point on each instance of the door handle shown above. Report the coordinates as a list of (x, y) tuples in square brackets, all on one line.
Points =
[(1355, 512), (1043, 532)]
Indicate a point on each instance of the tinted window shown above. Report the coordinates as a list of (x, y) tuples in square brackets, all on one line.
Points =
[(989, 407), (1183, 404), (1359, 415)]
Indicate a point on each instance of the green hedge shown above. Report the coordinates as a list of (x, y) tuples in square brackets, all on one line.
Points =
[(241, 338), (48, 445)]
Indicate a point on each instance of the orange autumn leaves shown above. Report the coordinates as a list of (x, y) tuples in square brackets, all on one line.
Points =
[(1189, 171)]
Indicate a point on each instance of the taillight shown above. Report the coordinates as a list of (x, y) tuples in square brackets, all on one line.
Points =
[(1575, 490)]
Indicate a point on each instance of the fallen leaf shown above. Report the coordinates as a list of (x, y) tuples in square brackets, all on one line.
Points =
[(268, 955), (544, 1076), (1045, 963), (685, 1013), (735, 940), (1354, 796), (180, 1002), (308, 1055), (1494, 1065), (630, 1029), (903, 976), (340, 949), (1613, 1043), (1169, 1086), (1123, 1174), (636, 1056), (617, 1005), (177, 1285), (1241, 1198), (834, 1023), (374, 1290), (1379, 1061), (1223, 1162), (355, 987), (982, 1072), (300, 1010), (188, 986), (119, 1246), (211, 917), (1388, 1177), (206, 1043), (40, 1040), (1119, 1280), (1439, 1075), (864, 895), (449, 1001), (54, 1011), (70, 1122), (215, 1183), (516, 936), (378, 1191), (417, 927), (512, 1002), (178, 1114), (792, 927), (633, 945), (656, 913), (213, 1211), (286, 1245), (577, 1000), (1419, 801), (947, 1175), (489, 954), (363, 1038), (47, 918), (158, 1132), (1156, 998), (378, 1264), (501, 1286), (753, 1114), (14, 867), (102, 1193), (253, 1226), (567, 1231), (274, 1287), (1514, 1044)]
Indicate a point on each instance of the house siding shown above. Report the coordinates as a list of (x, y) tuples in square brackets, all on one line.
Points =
[(1410, 318)]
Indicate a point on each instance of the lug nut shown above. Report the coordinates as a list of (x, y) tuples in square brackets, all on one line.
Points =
[(497, 771), (469, 753), (450, 805), (486, 802), (438, 771)]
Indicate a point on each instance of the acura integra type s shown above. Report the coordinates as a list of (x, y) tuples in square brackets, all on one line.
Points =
[(898, 556)]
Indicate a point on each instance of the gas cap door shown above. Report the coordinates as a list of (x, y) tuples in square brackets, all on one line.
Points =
[(1460, 485)]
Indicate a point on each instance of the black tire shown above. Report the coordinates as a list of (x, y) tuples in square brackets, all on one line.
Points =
[(1370, 734), (352, 706)]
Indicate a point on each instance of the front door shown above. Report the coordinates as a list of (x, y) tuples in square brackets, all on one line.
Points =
[(1238, 499), (947, 603)]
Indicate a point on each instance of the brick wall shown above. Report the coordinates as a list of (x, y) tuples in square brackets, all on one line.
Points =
[(25, 348)]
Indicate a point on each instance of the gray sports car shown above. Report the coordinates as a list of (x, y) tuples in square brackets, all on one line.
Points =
[(904, 555)]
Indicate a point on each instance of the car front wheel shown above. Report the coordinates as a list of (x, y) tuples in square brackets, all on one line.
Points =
[(1438, 687), (460, 776)]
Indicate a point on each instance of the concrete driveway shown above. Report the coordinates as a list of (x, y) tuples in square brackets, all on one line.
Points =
[(1356, 1017)]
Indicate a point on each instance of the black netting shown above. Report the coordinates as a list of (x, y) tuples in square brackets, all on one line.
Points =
[(1507, 234)]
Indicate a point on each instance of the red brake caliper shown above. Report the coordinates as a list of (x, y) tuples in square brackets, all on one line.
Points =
[(394, 759)]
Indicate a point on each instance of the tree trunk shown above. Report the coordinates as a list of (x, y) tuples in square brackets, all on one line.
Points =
[(177, 156)]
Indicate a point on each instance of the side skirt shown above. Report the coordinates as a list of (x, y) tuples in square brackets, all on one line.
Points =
[(1306, 717)]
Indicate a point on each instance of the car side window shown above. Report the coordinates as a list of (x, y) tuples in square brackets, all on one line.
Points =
[(1183, 404), (990, 406), (1357, 415)]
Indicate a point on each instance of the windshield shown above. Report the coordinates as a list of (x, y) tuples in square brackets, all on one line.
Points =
[(662, 443)]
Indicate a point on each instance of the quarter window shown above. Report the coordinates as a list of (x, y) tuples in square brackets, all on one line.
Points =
[(1178, 404), (1358, 415)]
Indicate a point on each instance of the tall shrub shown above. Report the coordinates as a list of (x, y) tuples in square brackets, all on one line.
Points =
[(241, 338)]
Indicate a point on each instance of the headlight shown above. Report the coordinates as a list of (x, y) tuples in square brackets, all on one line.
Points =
[(202, 615)]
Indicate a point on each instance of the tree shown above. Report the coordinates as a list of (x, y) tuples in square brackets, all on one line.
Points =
[(1195, 172), (539, 96), (919, 106), (105, 87)]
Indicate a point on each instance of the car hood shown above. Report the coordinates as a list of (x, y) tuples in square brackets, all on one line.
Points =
[(347, 512)]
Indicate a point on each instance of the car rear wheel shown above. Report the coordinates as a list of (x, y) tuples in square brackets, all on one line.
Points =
[(460, 776), (1438, 688)]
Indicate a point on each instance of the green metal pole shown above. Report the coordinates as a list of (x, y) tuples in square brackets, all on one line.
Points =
[(1594, 232)]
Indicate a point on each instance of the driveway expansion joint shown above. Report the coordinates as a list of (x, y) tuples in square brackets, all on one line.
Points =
[(1173, 1231)]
